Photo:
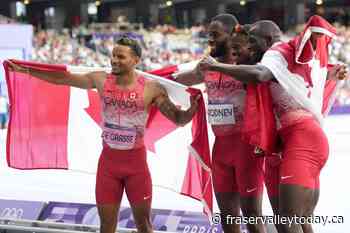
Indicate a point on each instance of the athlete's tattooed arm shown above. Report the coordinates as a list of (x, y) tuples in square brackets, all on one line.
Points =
[(190, 78), (169, 110)]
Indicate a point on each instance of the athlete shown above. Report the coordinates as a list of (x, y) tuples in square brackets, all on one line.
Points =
[(243, 51), (237, 171), (126, 100)]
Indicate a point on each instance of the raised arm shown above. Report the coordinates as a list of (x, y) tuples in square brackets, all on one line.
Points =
[(168, 109), (243, 73), (190, 78), (84, 81)]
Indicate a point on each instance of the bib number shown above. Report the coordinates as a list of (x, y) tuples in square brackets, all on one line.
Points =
[(221, 114), (117, 137)]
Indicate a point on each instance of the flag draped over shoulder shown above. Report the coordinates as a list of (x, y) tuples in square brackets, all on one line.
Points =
[(259, 124), (58, 127), (302, 72)]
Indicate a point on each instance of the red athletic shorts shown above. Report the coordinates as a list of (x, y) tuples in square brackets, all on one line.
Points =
[(305, 152), (235, 167), (123, 169), (272, 174)]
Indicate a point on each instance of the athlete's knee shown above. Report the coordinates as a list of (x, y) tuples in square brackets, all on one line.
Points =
[(251, 206), (144, 226), (228, 203), (308, 212), (108, 220), (229, 211), (108, 224), (290, 210), (251, 210), (309, 208)]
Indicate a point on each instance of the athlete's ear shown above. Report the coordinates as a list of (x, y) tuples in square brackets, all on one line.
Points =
[(269, 40), (136, 59)]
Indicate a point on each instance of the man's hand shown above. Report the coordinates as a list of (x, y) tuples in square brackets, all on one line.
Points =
[(161, 100), (206, 63), (194, 103), (338, 72), (17, 68)]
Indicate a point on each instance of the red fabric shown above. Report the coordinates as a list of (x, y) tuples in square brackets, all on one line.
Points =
[(133, 176), (307, 53), (26, 148), (298, 54), (304, 154), (259, 129), (232, 161), (165, 72), (200, 144)]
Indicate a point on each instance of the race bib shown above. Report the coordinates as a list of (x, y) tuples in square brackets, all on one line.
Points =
[(117, 137), (221, 114)]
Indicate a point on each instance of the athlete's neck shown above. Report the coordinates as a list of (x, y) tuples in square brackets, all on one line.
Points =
[(126, 79), (227, 59)]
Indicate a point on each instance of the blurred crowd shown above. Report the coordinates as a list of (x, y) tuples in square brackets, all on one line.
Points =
[(60, 48), (162, 46), (340, 52)]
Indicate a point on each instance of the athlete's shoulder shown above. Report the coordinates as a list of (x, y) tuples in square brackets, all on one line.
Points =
[(99, 78), (155, 87), (285, 49), (99, 74), (154, 84)]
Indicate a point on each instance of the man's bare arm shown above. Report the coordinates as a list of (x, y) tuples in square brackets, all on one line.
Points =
[(86, 81), (190, 78), (169, 110), (243, 73)]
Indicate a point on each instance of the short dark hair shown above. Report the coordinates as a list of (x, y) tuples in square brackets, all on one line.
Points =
[(132, 44), (267, 28), (241, 33), (228, 20)]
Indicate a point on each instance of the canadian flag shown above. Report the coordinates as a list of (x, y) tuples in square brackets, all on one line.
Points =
[(58, 127), (302, 70)]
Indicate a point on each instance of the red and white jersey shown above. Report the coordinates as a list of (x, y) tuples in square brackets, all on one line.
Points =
[(288, 111), (226, 98), (124, 115)]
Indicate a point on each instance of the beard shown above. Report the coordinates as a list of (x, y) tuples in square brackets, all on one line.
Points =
[(246, 60), (219, 50), (256, 56), (116, 71)]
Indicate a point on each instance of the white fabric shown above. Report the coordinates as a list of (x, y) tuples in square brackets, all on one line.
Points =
[(311, 98), (3, 104)]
